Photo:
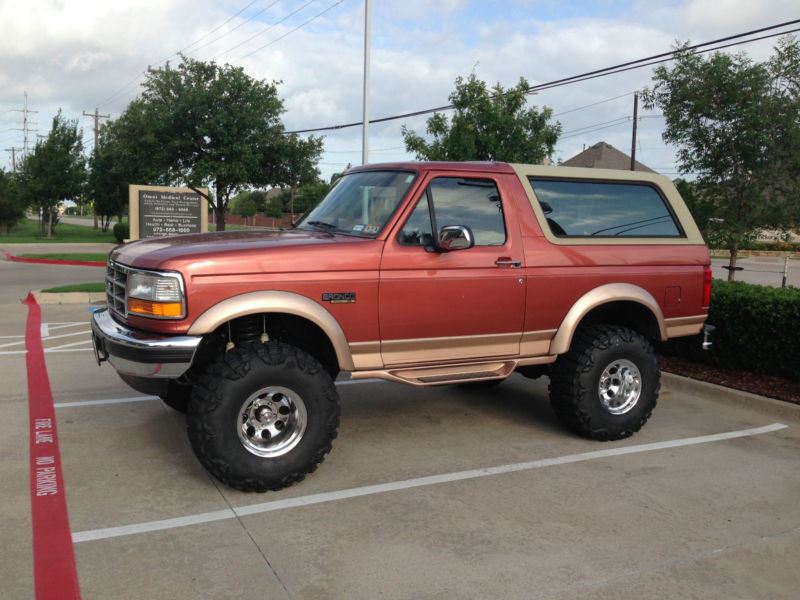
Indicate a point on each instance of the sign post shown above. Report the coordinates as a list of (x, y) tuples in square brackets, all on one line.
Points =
[(157, 211)]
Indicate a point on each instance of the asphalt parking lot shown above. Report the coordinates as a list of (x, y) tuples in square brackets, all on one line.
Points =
[(428, 493)]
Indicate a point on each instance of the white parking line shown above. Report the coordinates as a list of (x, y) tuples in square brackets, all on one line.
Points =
[(381, 488), (82, 342), (46, 351), (146, 398), (106, 401), (52, 337), (52, 326), (44, 330)]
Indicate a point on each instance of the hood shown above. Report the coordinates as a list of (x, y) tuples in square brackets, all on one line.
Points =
[(176, 251)]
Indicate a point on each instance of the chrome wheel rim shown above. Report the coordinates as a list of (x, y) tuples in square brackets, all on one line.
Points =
[(272, 421), (620, 386)]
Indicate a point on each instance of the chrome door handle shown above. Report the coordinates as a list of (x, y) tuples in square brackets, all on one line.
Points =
[(508, 262)]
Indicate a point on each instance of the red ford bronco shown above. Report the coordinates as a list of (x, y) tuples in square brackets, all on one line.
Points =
[(417, 273)]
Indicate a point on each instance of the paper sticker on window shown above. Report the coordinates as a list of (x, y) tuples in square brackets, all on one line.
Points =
[(409, 178), (371, 229), (358, 228)]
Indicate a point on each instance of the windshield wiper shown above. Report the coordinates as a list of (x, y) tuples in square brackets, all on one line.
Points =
[(322, 225)]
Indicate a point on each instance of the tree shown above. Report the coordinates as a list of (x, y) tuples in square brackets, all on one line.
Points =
[(245, 207), (701, 207), (55, 171), (12, 208), (300, 158), (310, 194), (488, 124), (736, 124), (203, 124), (274, 208)]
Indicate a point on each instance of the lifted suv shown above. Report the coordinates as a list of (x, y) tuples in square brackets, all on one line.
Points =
[(418, 273)]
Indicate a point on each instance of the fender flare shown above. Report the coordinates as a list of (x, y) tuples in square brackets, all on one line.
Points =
[(604, 294), (277, 302)]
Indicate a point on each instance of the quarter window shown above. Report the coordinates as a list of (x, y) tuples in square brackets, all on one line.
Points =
[(598, 209), (458, 201)]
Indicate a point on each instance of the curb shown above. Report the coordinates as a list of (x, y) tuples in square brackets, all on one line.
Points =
[(732, 397), (51, 261), (68, 297)]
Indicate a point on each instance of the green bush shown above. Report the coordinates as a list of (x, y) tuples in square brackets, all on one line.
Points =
[(121, 232), (758, 330)]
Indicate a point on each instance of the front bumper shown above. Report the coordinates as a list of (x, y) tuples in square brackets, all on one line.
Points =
[(141, 353)]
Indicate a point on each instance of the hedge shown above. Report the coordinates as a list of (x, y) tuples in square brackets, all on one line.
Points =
[(121, 232), (758, 330)]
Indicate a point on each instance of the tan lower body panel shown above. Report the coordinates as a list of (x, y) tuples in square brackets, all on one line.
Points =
[(681, 326), (436, 361), (454, 373)]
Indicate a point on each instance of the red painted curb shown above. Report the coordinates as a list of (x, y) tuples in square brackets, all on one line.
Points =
[(53, 261), (54, 574)]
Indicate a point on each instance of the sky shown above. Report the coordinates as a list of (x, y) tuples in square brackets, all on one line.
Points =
[(76, 55)]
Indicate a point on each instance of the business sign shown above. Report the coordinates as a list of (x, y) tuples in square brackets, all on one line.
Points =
[(157, 211)]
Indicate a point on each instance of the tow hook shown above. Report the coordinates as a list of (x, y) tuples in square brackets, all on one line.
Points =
[(708, 332)]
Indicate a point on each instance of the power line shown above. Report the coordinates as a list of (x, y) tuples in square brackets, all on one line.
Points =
[(619, 68), (245, 22), (142, 73), (255, 35), (303, 24), (572, 110), (221, 25)]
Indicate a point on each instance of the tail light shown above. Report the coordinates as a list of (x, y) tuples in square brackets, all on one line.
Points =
[(706, 286)]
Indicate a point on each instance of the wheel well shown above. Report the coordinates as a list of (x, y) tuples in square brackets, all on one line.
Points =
[(634, 315), (290, 329)]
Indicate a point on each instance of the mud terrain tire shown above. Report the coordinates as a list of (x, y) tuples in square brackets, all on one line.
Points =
[(220, 422), (583, 382)]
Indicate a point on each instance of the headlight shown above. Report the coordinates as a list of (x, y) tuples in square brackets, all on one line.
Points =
[(156, 295)]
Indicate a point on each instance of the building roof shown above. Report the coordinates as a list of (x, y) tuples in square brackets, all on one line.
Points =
[(604, 156)]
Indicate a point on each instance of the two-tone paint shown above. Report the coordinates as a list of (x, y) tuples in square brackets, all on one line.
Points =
[(482, 311)]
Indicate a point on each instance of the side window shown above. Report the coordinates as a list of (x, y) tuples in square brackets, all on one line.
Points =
[(458, 201), (597, 209), (417, 230)]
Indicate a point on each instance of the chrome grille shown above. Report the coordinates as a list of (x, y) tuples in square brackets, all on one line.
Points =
[(116, 286)]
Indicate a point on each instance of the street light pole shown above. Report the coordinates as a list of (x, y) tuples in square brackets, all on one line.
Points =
[(365, 115)]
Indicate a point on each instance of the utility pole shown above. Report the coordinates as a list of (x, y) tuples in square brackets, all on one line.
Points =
[(13, 151), (96, 116), (25, 129), (365, 116), (633, 136)]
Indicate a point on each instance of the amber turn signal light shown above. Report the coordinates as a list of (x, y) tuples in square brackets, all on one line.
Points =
[(155, 309)]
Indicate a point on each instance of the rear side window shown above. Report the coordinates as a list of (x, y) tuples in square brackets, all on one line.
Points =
[(599, 209)]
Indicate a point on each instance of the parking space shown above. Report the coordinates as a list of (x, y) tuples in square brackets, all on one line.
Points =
[(428, 493)]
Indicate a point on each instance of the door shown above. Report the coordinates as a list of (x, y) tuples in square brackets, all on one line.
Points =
[(444, 306)]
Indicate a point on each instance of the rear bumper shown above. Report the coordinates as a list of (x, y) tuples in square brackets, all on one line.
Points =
[(141, 353)]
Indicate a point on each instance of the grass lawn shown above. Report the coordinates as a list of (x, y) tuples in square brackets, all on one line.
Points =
[(95, 286), (92, 256), (27, 232)]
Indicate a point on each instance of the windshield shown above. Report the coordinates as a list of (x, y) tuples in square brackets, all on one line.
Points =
[(360, 203)]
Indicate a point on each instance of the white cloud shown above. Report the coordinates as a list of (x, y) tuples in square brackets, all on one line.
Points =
[(74, 54)]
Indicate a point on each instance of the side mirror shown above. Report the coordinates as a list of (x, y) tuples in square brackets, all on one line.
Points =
[(455, 237)]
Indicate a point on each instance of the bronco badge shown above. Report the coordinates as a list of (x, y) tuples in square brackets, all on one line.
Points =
[(339, 297)]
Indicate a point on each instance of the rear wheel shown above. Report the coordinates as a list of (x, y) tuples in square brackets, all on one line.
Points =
[(262, 416), (607, 385)]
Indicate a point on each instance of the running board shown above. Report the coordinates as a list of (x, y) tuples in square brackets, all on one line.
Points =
[(451, 373)]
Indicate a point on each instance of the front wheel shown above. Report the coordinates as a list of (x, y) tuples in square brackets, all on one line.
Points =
[(607, 385), (262, 416)]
